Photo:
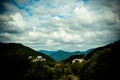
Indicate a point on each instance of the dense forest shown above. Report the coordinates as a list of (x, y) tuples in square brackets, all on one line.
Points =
[(102, 63)]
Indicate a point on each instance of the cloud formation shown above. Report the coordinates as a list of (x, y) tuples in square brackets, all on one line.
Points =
[(60, 24)]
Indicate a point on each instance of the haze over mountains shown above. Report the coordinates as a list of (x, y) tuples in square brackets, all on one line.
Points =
[(61, 54)]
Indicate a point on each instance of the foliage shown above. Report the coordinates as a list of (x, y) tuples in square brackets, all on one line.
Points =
[(102, 63), (14, 59)]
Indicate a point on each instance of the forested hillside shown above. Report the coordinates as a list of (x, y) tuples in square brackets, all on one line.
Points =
[(16, 49), (102, 63), (14, 59)]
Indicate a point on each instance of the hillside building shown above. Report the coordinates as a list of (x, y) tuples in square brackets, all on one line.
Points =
[(78, 60)]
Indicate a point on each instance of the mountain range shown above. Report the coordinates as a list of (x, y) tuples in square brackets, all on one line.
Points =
[(61, 54)]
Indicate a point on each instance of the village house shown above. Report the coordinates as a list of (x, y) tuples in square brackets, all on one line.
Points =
[(78, 60)]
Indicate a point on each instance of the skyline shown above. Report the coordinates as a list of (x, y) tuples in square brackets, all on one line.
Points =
[(69, 25)]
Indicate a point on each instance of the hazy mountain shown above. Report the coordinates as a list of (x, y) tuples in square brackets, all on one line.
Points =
[(61, 54), (47, 52)]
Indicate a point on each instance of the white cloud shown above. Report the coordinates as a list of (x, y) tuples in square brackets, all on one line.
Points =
[(84, 15), (18, 21), (65, 36), (12, 23)]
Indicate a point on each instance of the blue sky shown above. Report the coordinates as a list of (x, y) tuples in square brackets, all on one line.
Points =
[(60, 24)]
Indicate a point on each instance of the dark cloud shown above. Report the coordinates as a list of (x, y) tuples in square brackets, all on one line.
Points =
[(3, 1), (4, 38)]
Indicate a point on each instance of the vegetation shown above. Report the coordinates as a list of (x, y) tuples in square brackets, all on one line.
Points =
[(101, 63)]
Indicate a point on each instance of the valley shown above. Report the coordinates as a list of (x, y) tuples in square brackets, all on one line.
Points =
[(23, 63)]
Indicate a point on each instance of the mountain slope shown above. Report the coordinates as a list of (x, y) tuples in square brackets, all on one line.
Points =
[(15, 63), (102, 63), (12, 49)]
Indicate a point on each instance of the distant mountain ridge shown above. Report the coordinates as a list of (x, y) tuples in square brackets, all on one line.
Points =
[(61, 54), (47, 52)]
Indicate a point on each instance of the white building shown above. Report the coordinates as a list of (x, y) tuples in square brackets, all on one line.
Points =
[(78, 60), (38, 58)]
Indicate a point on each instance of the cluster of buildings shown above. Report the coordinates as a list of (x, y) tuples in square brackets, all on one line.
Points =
[(38, 58)]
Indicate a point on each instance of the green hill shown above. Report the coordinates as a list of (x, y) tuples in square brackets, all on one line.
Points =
[(16, 49), (14, 60), (102, 63)]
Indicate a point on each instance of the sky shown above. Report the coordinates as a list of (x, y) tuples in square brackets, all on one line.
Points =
[(69, 25)]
